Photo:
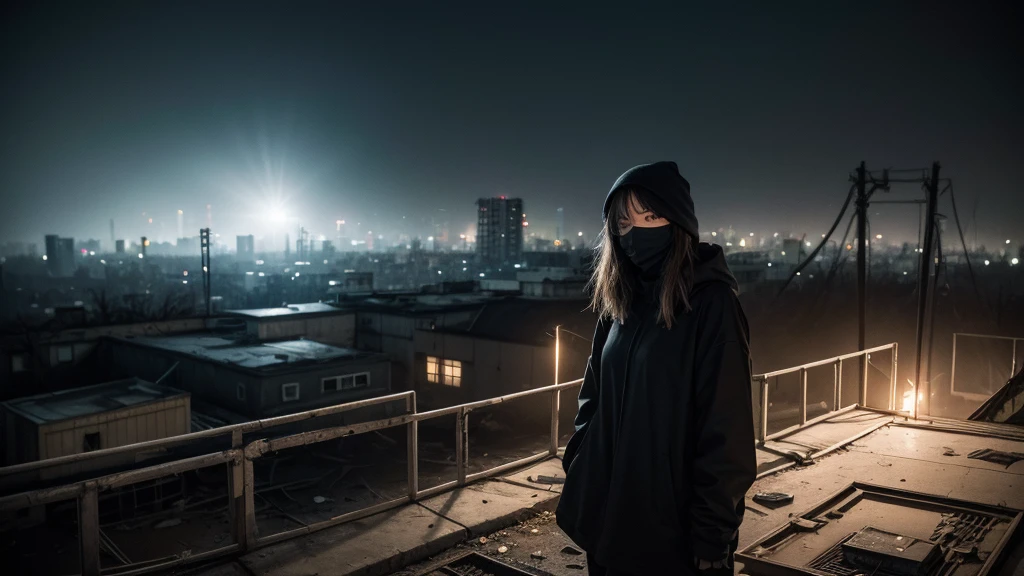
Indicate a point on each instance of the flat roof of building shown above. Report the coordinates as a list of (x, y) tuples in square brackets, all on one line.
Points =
[(291, 310), (250, 355), (78, 402)]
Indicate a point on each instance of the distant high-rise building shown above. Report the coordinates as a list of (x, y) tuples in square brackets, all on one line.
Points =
[(119, 246), (181, 224), (560, 224), (499, 232), (113, 239), (60, 255), (287, 247), (245, 247)]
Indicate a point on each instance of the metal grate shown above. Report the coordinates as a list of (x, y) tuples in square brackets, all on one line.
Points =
[(832, 561), (476, 564)]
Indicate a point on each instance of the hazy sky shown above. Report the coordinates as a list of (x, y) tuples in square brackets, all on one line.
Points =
[(375, 110)]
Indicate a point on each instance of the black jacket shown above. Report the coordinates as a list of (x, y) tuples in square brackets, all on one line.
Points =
[(663, 452)]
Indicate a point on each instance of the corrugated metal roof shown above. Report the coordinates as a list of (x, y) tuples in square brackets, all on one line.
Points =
[(80, 402)]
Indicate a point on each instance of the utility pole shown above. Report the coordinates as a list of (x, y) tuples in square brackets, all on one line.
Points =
[(923, 285), (204, 242), (862, 244)]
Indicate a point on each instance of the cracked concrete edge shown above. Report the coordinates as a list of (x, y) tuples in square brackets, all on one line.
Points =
[(494, 524), (404, 558)]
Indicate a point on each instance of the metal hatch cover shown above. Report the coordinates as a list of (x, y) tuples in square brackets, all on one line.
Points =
[(965, 538)]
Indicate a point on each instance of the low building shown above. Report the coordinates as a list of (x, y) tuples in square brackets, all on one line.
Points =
[(510, 347), (256, 379), (316, 321), (64, 354), (389, 324), (94, 417)]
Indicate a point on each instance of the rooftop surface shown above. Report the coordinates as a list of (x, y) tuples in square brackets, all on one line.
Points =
[(890, 452), (79, 402), (531, 321), (260, 356), (291, 310)]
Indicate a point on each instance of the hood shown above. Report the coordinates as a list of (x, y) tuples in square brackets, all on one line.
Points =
[(663, 181), (711, 267)]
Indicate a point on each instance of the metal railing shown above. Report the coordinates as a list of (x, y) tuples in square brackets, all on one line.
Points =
[(1013, 363), (241, 478), (837, 389)]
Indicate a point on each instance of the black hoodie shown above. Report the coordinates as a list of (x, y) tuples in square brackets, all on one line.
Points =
[(663, 452)]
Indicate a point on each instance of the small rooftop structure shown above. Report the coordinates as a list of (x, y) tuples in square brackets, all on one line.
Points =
[(317, 320), (291, 310), (78, 402), (254, 356), (90, 418)]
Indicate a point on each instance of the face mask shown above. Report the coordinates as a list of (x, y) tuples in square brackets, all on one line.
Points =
[(647, 247)]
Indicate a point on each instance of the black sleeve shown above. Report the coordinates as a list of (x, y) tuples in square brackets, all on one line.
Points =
[(725, 462), (587, 401)]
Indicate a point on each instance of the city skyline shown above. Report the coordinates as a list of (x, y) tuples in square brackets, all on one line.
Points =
[(277, 117)]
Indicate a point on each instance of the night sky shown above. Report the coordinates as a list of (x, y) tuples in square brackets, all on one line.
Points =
[(298, 112)]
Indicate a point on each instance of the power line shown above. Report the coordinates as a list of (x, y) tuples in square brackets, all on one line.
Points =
[(960, 231), (824, 241)]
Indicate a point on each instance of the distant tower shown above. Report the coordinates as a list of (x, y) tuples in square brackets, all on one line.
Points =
[(113, 239), (287, 247), (181, 224), (560, 224), (204, 242), (499, 235)]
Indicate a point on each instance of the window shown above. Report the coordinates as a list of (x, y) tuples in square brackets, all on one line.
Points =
[(432, 372), (91, 442), (240, 391), (453, 373), (448, 372), (346, 382), (18, 363), (332, 384), (290, 392), (65, 354)]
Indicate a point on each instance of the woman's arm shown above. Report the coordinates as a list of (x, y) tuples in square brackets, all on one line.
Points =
[(725, 463), (588, 393)]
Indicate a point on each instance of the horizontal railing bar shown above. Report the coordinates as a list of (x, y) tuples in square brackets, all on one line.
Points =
[(435, 490), (497, 399), (824, 362), (172, 441), (151, 567), (508, 466), (167, 469), (815, 420), (40, 497), (992, 336), (261, 447), (341, 519)]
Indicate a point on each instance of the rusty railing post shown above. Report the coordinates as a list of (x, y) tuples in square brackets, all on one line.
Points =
[(803, 396), (461, 440), (89, 530), (892, 376), (862, 396), (556, 399), (251, 531), (236, 500), (412, 451), (764, 411)]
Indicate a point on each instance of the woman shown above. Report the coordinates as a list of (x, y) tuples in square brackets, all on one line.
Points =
[(663, 452)]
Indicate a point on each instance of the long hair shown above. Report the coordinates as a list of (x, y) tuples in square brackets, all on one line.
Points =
[(616, 279)]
